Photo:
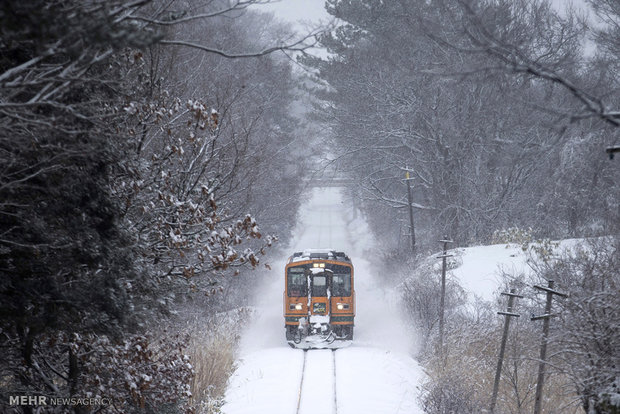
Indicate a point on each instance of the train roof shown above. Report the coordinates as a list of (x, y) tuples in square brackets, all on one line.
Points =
[(319, 254)]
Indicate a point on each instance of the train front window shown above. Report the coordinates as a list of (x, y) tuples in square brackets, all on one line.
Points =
[(319, 285), (341, 282), (341, 285), (297, 282)]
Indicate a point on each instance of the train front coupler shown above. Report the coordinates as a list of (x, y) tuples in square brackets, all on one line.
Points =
[(314, 326), (319, 324), (313, 333)]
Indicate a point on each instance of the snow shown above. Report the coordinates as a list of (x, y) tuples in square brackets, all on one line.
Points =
[(375, 374), (266, 381), (386, 382), (317, 393), (479, 269), (319, 319)]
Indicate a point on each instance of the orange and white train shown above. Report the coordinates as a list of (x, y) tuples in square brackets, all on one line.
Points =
[(319, 299)]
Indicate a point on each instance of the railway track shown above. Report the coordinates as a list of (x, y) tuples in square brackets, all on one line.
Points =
[(317, 388), (301, 384)]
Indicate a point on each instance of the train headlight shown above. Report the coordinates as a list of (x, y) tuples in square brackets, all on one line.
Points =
[(298, 306), (342, 306)]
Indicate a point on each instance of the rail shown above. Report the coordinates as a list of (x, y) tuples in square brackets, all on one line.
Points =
[(306, 404)]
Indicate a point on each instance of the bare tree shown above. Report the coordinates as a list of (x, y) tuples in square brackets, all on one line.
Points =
[(546, 59), (587, 338), (92, 151)]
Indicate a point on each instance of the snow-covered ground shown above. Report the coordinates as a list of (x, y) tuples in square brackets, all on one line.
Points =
[(373, 375), (479, 269)]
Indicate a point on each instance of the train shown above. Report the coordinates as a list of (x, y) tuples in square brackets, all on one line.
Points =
[(319, 299)]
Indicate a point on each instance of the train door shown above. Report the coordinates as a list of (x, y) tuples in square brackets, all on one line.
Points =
[(319, 293)]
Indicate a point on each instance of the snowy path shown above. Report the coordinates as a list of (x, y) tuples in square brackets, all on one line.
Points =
[(317, 393), (374, 375)]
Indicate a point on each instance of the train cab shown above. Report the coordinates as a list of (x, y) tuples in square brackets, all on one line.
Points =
[(319, 299)]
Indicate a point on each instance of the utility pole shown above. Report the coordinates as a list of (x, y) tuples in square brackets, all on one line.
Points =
[(508, 314), (410, 200), (543, 344), (612, 150), (442, 298)]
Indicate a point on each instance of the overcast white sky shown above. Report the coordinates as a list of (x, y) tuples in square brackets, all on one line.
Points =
[(299, 12)]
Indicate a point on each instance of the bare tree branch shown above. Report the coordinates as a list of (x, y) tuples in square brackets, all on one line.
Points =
[(519, 62), (298, 46)]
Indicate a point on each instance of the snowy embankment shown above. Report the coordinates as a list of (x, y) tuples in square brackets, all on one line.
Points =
[(374, 375), (483, 270)]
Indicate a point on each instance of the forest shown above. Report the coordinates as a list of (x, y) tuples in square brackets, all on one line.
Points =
[(154, 155)]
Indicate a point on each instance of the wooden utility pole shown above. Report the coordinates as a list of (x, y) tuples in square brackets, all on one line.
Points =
[(442, 299), (543, 344), (612, 150), (410, 200), (508, 314)]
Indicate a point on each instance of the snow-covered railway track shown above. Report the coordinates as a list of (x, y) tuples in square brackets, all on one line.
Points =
[(317, 388), (335, 382), (301, 383)]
